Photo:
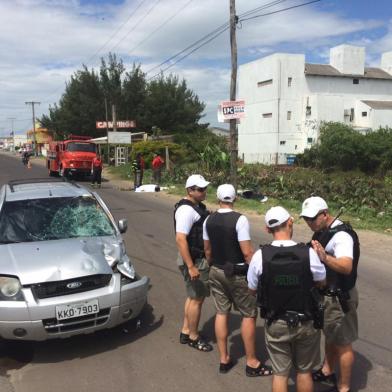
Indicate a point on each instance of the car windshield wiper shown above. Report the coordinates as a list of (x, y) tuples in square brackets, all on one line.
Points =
[(11, 242)]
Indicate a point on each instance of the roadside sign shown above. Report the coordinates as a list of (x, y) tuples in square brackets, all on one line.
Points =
[(119, 137), (231, 110), (120, 124)]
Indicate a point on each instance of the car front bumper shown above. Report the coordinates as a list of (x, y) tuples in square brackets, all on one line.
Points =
[(35, 319)]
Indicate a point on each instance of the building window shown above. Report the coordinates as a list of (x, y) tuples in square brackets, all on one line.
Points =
[(310, 140), (282, 142), (308, 111), (364, 114), (355, 81), (289, 80), (267, 115), (264, 83), (288, 115)]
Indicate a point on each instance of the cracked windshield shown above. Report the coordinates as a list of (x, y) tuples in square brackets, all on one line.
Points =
[(52, 219)]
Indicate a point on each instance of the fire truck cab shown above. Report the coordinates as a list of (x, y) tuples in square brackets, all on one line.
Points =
[(71, 157)]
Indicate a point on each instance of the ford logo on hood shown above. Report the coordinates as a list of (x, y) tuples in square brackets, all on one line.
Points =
[(74, 285)]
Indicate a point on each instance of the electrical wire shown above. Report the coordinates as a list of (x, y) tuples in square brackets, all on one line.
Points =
[(160, 26), (281, 10), (136, 24), (224, 28), (117, 30)]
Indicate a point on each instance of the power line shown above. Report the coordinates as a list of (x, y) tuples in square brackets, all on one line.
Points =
[(281, 10), (218, 30), (189, 53), (217, 33), (160, 26), (137, 24), (98, 51), (117, 30)]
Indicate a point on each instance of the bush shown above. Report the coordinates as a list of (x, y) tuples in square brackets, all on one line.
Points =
[(340, 147), (148, 148)]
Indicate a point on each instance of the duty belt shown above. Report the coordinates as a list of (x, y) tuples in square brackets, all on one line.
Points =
[(231, 269), (293, 318)]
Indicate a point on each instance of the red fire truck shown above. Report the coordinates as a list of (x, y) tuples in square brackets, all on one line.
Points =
[(71, 157)]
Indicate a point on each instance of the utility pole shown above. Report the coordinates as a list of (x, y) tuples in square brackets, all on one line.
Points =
[(114, 118), (233, 92), (107, 131), (32, 103), (12, 129)]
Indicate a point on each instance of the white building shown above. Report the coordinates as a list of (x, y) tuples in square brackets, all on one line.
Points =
[(287, 99)]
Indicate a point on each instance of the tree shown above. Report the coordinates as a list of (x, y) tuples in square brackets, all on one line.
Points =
[(79, 107), (171, 106)]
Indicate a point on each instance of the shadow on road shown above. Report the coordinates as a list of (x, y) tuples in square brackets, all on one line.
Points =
[(16, 354)]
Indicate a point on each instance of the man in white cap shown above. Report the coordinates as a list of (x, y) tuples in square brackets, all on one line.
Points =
[(228, 249), (337, 245), (189, 215), (283, 274)]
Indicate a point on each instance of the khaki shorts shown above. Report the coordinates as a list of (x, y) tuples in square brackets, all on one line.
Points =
[(231, 291), (292, 347), (341, 328), (198, 288)]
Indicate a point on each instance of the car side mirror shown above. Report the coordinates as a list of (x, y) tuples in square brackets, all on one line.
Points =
[(123, 225)]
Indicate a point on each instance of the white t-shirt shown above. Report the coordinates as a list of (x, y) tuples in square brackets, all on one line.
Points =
[(242, 226), (341, 244), (185, 217), (256, 265)]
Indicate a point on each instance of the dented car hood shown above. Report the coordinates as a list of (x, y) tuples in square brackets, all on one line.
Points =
[(47, 261)]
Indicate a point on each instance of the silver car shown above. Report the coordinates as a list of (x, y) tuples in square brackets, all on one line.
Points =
[(64, 269)]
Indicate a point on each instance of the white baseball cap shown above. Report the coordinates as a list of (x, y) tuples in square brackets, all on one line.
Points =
[(276, 216), (196, 180), (226, 193), (312, 206)]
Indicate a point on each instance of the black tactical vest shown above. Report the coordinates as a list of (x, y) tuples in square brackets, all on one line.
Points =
[(195, 236), (334, 279), (221, 229), (286, 281)]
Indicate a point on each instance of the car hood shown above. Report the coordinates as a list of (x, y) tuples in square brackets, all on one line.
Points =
[(47, 261)]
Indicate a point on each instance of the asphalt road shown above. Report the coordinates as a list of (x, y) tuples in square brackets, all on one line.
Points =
[(146, 356)]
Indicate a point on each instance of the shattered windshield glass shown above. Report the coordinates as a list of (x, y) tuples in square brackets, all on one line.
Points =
[(83, 147), (52, 219)]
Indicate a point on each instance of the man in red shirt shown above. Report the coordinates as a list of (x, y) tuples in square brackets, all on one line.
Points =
[(96, 169), (157, 164)]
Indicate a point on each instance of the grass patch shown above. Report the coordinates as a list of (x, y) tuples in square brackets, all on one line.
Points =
[(365, 219)]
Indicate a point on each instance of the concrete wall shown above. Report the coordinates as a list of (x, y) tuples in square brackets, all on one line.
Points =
[(309, 99)]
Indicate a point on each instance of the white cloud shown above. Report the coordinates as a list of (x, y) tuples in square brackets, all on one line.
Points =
[(45, 41)]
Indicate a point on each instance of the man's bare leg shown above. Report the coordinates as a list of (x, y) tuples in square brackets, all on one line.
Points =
[(185, 325), (304, 382), (330, 359), (193, 316), (346, 360), (248, 333), (279, 383), (221, 333)]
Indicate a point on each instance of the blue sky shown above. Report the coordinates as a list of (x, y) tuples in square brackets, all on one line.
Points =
[(45, 41)]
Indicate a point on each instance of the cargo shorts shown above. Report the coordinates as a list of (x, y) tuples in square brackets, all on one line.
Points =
[(341, 328), (198, 288), (297, 347), (233, 291)]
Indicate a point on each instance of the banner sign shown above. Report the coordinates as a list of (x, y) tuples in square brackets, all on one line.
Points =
[(231, 110), (119, 137), (120, 124)]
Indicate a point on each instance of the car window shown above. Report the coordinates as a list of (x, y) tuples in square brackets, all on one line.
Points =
[(54, 218), (83, 147)]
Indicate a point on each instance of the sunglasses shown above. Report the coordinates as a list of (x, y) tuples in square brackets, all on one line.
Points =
[(196, 188), (307, 219)]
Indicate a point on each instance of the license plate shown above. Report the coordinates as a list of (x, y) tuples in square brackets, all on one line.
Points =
[(64, 312)]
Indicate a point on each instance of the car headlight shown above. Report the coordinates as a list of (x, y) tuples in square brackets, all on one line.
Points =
[(10, 289), (126, 268)]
